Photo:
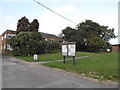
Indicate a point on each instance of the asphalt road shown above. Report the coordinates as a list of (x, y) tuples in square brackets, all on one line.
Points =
[(17, 74)]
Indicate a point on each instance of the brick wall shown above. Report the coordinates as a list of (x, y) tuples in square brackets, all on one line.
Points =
[(1, 44), (116, 48), (5, 40), (48, 38)]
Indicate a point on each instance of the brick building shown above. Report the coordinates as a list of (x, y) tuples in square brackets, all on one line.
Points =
[(51, 37), (116, 48), (4, 39)]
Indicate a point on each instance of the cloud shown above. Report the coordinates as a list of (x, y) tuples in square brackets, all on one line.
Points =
[(11, 26), (52, 23), (8, 18), (66, 9)]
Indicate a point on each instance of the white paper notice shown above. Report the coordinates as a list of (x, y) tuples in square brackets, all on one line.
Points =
[(71, 50), (64, 50)]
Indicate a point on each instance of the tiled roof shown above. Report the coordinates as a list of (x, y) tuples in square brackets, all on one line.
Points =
[(42, 33), (10, 31), (50, 35)]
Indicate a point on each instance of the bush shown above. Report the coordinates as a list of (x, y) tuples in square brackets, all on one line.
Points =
[(53, 47), (27, 43)]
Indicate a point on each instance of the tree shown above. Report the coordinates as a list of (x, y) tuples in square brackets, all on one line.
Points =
[(34, 26), (26, 43), (89, 36), (23, 25), (90, 27), (69, 33), (95, 43), (53, 47)]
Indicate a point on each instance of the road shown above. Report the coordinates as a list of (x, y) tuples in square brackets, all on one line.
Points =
[(17, 74)]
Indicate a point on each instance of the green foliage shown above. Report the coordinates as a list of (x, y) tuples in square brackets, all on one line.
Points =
[(24, 25), (69, 33), (26, 43), (53, 47), (29, 43), (89, 36), (34, 26)]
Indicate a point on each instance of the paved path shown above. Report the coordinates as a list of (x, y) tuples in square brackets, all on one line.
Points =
[(56, 60), (17, 74)]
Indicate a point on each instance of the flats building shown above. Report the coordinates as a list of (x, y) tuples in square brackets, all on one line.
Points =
[(4, 41), (5, 37)]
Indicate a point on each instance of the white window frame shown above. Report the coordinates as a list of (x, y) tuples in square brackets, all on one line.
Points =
[(4, 46), (9, 47), (2, 37), (5, 36), (11, 35), (52, 40)]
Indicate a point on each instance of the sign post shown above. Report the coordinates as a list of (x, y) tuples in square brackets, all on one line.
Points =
[(69, 49)]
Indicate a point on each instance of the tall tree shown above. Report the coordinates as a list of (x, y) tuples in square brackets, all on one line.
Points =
[(89, 35), (23, 25), (69, 33), (34, 26)]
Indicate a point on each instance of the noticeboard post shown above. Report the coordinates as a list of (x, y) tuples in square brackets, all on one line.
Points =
[(69, 49)]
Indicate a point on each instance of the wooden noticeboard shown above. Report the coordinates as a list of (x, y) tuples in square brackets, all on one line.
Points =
[(69, 49)]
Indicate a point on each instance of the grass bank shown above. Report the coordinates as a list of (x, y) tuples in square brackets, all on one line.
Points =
[(101, 66), (51, 56)]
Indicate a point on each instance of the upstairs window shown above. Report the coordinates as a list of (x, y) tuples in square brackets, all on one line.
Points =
[(2, 37), (52, 40), (9, 47), (10, 35), (5, 36)]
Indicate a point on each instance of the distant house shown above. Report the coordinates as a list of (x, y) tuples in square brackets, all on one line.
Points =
[(51, 37), (4, 39), (116, 48)]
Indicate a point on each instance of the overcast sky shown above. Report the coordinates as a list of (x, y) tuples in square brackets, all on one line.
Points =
[(104, 12)]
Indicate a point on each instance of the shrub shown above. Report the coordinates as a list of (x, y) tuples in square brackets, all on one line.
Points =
[(53, 47), (27, 43)]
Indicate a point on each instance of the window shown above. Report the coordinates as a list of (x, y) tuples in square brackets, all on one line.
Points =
[(61, 41), (2, 37), (52, 40), (10, 35), (5, 46), (5, 36), (9, 47)]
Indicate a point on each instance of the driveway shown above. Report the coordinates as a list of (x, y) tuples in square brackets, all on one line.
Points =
[(18, 74)]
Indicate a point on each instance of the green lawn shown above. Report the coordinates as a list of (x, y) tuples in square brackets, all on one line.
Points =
[(100, 66), (51, 56)]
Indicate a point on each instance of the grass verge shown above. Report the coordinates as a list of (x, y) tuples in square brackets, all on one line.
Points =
[(101, 66), (51, 56)]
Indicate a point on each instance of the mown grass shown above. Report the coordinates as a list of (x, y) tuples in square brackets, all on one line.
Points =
[(51, 56), (100, 66)]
